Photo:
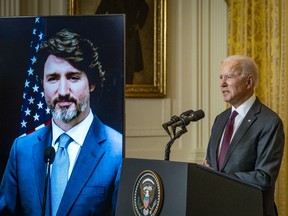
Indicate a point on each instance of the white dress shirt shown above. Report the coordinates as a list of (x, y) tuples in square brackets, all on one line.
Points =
[(242, 111), (78, 134)]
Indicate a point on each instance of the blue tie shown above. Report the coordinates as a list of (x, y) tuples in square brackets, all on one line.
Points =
[(60, 169)]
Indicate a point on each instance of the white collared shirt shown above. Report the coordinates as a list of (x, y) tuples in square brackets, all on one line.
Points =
[(78, 134), (242, 111)]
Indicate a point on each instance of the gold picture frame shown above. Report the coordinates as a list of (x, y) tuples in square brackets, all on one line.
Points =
[(151, 81)]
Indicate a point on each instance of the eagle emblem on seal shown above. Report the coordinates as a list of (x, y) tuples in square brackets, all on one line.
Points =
[(147, 194)]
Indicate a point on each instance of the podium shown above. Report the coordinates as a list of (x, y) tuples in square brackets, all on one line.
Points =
[(189, 189)]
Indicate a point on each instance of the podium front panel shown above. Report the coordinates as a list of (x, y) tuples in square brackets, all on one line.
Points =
[(174, 178), (190, 189)]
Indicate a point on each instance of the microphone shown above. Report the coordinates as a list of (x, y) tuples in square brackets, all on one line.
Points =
[(185, 120), (186, 113), (49, 156), (175, 119)]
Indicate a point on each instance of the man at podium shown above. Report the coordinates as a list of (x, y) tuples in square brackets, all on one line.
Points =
[(249, 143)]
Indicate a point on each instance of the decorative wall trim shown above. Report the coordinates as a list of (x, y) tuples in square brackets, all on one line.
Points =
[(9, 7), (156, 132)]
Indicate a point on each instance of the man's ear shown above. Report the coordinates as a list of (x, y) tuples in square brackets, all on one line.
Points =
[(92, 87), (250, 82)]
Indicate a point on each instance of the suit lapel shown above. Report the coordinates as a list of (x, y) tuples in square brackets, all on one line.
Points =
[(90, 155), (247, 122), (43, 140), (218, 130)]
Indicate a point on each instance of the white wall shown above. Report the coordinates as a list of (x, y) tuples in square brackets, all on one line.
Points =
[(196, 44)]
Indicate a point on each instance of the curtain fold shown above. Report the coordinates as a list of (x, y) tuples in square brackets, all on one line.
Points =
[(258, 28)]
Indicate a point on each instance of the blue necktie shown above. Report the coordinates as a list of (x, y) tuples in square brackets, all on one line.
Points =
[(60, 169)]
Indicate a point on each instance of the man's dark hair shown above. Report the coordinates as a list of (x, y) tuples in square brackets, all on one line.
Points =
[(79, 52)]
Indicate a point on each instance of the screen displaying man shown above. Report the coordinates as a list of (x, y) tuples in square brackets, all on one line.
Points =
[(69, 68)]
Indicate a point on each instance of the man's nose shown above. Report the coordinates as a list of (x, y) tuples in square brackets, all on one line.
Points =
[(223, 81), (63, 88)]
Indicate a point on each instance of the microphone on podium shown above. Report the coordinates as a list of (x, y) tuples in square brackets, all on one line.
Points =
[(174, 119), (183, 120)]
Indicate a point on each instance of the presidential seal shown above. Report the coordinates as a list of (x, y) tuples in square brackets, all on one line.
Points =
[(147, 194)]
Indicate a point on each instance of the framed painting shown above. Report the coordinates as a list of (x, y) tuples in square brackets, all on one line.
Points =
[(145, 67)]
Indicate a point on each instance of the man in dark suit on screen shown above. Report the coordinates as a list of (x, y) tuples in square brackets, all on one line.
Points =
[(254, 152), (69, 68)]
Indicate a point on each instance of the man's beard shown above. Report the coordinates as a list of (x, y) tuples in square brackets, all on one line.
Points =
[(67, 114)]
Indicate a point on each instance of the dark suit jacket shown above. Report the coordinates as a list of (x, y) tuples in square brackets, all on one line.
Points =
[(92, 187), (255, 153)]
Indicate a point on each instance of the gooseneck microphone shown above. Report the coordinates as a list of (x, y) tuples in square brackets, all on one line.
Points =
[(180, 121), (174, 119), (186, 113), (185, 120), (49, 156)]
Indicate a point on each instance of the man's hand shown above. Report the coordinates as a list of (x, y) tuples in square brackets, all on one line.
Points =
[(206, 164)]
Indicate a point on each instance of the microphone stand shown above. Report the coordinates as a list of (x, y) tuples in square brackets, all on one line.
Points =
[(46, 186), (172, 140), (167, 130), (49, 156)]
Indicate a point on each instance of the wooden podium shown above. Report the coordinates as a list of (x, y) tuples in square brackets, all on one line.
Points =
[(190, 189)]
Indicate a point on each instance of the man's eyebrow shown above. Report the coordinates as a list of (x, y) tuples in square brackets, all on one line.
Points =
[(69, 73), (74, 72), (52, 74)]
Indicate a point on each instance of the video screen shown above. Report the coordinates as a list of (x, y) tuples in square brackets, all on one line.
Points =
[(35, 96)]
